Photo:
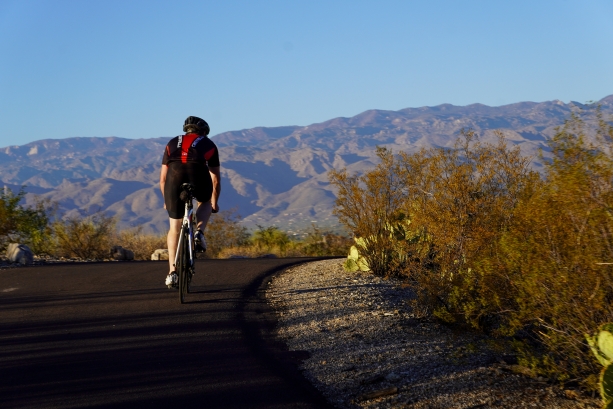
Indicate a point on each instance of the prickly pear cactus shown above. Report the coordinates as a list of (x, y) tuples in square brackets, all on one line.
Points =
[(602, 347), (351, 264), (355, 262), (602, 344)]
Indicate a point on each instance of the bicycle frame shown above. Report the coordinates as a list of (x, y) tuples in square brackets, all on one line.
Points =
[(185, 257), (187, 224)]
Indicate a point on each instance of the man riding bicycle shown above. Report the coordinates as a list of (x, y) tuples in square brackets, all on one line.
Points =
[(190, 158)]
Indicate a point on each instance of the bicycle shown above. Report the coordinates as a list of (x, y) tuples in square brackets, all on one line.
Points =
[(186, 255)]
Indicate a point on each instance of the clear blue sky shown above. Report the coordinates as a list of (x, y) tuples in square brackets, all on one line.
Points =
[(136, 69)]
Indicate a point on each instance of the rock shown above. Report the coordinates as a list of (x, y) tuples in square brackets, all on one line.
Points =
[(160, 254), (19, 253), (119, 253)]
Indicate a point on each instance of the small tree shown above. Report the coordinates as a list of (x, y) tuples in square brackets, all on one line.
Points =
[(271, 238), (28, 225), (224, 231)]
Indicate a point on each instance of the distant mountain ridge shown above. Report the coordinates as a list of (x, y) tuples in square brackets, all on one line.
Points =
[(270, 175)]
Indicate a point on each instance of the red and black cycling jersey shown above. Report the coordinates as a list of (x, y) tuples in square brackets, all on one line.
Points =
[(191, 147)]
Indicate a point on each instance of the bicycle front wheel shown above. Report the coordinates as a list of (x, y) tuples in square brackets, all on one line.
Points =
[(183, 264)]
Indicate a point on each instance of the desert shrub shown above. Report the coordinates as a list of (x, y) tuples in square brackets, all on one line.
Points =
[(143, 245), (459, 202), (435, 216), (489, 242), (27, 225), (224, 231), (264, 241), (319, 242), (251, 251), (271, 239), (553, 252), (367, 204), (87, 238)]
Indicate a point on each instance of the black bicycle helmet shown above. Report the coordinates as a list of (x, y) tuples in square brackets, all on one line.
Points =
[(199, 124)]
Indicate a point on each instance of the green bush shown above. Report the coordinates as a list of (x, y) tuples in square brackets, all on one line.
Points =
[(26, 225), (271, 239)]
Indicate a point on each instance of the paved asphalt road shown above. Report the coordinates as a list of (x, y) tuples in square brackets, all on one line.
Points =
[(112, 335)]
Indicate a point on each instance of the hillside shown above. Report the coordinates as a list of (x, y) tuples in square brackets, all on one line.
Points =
[(270, 175)]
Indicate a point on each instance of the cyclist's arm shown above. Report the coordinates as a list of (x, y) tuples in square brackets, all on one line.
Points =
[(163, 173), (216, 178)]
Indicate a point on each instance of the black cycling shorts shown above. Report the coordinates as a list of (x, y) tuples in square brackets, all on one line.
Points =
[(191, 172)]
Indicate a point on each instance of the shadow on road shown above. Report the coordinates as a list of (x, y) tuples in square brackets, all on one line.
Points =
[(97, 336)]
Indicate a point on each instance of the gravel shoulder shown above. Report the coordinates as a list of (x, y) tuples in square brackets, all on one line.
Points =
[(368, 349)]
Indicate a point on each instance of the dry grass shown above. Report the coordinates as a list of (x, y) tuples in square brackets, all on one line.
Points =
[(143, 245)]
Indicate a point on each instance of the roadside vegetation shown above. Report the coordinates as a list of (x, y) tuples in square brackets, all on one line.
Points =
[(92, 237), (484, 240), (24, 224)]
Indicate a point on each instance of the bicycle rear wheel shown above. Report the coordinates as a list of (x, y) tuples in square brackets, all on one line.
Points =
[(189, 278), (182, 267)]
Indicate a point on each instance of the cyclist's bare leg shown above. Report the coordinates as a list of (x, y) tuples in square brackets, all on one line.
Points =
[(203, 213), (172, 240)]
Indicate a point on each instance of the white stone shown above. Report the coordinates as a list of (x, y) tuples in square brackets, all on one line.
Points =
[(19, 253), (160, 254)]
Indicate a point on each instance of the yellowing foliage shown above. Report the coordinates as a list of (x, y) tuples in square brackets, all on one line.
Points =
[(556, 251), (492, 243)]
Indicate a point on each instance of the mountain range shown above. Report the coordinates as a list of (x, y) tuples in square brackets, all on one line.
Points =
[(270, 176)]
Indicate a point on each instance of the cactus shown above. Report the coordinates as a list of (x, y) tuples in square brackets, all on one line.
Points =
[(602, 347), (354, 261), (602, 344), (398, 233)]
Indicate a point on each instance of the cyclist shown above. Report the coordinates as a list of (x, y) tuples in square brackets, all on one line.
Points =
[(189, 158)]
